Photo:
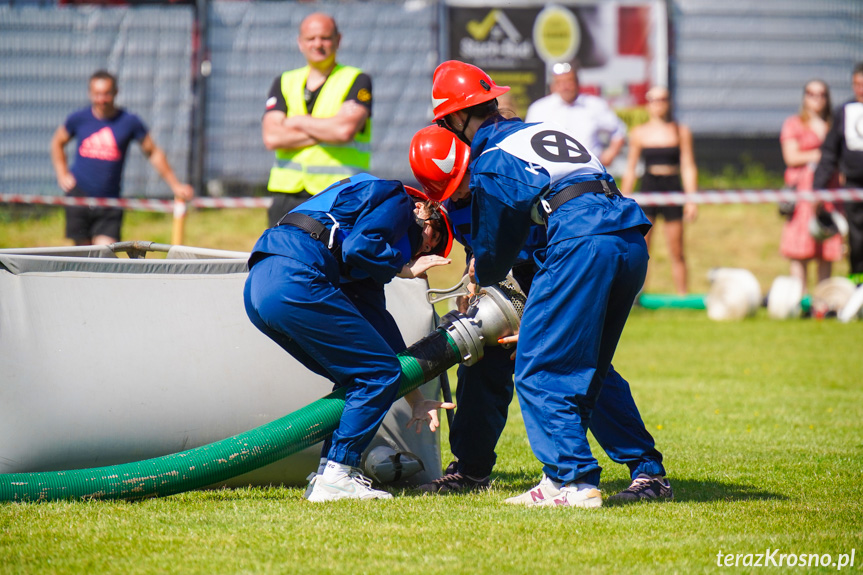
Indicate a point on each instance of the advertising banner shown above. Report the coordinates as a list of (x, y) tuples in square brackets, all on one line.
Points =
[(619, 47)]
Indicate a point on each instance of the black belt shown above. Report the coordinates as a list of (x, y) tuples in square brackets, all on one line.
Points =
[(316, 229), (579, 189)]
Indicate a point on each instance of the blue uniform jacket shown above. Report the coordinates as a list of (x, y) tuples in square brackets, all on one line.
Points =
[(376, 227), (460, 215), (513, 165)]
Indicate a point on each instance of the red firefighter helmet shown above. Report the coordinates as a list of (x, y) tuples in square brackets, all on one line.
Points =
[(439, 161), (457, 85), (446, 230)]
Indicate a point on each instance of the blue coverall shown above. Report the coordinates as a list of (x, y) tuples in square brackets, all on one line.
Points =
[(588, 277), (484, 390), (326, 307)]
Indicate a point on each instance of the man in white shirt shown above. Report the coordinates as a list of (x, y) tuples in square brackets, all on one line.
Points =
[(589, 118)]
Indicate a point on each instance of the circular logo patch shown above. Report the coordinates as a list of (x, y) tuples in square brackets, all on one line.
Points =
[(556, 34)]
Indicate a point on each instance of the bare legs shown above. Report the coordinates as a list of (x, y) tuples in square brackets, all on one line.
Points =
[(96, 241), (674, 239), (799, 271)]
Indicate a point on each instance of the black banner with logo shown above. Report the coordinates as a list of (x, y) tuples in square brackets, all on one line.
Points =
[(610, 42)]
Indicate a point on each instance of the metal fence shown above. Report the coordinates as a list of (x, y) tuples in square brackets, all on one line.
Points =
[(48, 52), (737, 68)]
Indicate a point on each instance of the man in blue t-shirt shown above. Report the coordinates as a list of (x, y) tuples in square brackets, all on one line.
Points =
[(103, 133)]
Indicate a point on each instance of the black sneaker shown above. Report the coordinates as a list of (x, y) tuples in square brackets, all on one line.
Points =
[(645, 488), (456, 482)]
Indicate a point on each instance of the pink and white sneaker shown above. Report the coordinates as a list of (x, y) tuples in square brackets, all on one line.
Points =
[(542, 494), (550, 493)]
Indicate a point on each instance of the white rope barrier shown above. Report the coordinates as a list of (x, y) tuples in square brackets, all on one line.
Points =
[(643, 198)]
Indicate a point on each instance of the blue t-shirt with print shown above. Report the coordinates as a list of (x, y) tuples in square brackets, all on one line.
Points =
[(100, 151)]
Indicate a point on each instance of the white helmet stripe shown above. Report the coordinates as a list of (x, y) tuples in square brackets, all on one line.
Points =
[(447, 164)]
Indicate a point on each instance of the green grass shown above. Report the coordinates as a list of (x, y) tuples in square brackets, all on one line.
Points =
[(760, 423)]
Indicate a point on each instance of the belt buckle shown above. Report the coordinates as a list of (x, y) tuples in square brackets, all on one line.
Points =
[(606, 189)]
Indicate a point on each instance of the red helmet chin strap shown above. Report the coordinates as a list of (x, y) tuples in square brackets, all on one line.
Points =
[(460, 134), (438, 213)]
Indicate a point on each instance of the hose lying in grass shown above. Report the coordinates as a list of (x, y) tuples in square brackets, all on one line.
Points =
[(218, 461), (494, 313)]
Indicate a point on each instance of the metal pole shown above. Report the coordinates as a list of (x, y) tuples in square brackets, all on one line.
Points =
[(202, 68)]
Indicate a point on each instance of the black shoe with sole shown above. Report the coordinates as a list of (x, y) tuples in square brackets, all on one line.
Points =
[(644, 488), (455, 482)]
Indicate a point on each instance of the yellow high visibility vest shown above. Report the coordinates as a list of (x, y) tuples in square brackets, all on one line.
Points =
[(314, 168)]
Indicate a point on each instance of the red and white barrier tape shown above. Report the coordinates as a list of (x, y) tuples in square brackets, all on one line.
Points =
[(146, 205), (643, 198), (747, 197)]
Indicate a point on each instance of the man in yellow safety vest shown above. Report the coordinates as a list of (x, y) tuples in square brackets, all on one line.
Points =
[(317, 120)]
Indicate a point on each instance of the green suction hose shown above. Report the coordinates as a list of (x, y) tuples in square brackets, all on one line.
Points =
[(657, 301), (218, 461), (692, 301)]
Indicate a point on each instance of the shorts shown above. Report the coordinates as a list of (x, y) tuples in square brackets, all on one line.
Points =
[(85, 223), (651, 183)]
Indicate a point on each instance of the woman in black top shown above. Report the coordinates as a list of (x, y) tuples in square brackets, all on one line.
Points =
[(669, 166)]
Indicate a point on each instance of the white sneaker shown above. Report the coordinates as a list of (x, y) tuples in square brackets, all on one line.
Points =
[(579, 495), (351, 486), (313, 477), (542, 494)]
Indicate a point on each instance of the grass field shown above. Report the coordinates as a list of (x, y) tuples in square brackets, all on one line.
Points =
[(761, 424)]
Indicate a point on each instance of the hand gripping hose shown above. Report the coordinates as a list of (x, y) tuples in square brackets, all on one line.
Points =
[(459, 339)]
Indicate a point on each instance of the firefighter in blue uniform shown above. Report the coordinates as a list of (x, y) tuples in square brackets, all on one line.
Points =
[(588, 277), (484, 390), (315, 287)]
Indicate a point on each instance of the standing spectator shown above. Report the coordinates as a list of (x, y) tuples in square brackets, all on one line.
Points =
[(669, 166), (588, 118), (801, 139), (317, 120), (103, 132), (589, 275), (843, 149)]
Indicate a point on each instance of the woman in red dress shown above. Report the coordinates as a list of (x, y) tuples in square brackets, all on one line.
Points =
[(801, 139)]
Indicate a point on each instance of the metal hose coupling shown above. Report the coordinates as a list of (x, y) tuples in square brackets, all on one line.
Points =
[(494, 312)]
